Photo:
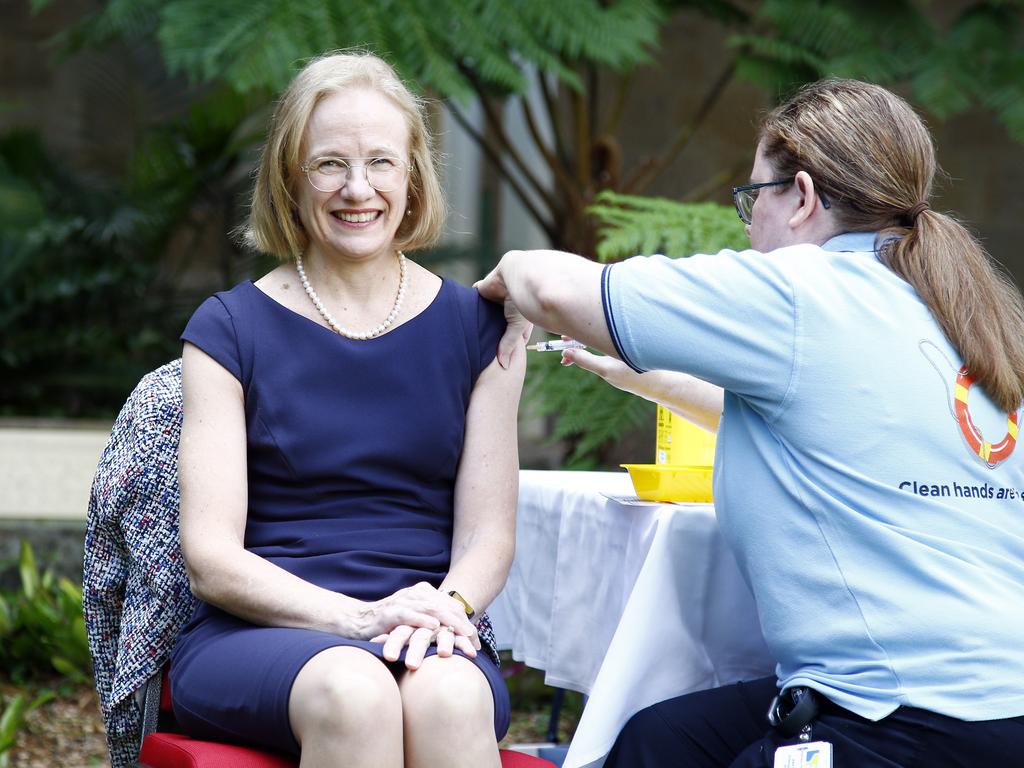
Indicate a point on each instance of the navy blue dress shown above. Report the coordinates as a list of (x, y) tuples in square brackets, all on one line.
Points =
[(353, 449)]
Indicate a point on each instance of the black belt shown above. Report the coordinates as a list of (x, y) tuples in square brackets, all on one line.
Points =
[(793, 709)]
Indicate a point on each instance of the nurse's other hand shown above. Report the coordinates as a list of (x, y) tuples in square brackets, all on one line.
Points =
[(517, 333), (519, 328), (615, 372), (493, 285)]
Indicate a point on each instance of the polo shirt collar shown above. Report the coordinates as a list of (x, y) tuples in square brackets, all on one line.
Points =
[(856, 242)]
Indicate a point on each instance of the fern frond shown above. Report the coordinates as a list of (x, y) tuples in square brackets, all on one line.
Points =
[(527, 44), (632, 225), (589, 413), (616, 35), (130, 20), (259, 44), (780, 51), (976, 61)]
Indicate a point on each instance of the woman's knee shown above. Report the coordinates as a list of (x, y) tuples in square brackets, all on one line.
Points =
[(452, 692), (344, 690)]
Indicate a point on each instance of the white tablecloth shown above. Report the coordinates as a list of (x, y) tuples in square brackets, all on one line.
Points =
[(629, 604)]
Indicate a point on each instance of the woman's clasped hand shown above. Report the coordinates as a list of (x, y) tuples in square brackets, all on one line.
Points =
[(416, 617)]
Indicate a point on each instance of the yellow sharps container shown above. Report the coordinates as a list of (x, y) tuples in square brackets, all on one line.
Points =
[(684, 458), (682, 444)]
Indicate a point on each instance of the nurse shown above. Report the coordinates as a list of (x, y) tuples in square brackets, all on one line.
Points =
[(862, 354)]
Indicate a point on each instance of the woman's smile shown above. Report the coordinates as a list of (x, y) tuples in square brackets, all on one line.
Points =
[(357, 218)]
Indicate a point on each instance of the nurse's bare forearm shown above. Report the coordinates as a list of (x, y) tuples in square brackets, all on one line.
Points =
[(694, 399)]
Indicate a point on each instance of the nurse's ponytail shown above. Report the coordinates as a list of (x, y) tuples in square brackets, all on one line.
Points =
[(873, 158)]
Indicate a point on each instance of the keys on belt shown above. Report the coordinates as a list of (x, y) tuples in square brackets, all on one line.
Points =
[(793, 710)]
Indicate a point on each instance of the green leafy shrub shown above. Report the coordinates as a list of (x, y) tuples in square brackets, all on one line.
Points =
[(532, 702), (92, 294), (12, 719), (80, 302), (587, 413), (42, 628)]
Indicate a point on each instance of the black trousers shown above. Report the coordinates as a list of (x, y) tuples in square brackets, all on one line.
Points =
[(728, 728)]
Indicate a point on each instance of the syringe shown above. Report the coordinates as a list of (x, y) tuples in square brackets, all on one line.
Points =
[(556, 345)]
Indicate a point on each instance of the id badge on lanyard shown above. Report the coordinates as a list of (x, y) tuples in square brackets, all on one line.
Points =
[(814, 754)]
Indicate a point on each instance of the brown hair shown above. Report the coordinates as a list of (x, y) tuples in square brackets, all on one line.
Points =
[(273, 225), (873, 158)]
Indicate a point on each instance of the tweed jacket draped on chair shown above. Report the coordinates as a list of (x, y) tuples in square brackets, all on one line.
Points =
[(135, 591)]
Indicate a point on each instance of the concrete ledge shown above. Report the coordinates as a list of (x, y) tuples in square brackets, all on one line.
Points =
[(46, 470)]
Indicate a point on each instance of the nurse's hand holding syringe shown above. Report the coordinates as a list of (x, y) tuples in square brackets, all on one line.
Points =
[(695, 400)]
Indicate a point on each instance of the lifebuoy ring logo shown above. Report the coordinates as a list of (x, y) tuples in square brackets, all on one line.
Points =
[(990, 453)]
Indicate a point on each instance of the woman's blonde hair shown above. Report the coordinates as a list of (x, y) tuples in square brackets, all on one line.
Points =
[(873, 158), (274, 225)]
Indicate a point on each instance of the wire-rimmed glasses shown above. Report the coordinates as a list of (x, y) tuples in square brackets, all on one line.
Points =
[(745, 196), (385, 173)]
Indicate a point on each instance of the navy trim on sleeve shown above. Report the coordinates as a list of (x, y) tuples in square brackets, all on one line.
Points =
[(610, 320)]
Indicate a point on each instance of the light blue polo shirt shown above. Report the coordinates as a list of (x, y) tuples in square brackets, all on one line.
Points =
[(885, 554)]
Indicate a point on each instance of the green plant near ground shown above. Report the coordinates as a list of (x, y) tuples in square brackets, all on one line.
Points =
[(12, 719), (42, 627)]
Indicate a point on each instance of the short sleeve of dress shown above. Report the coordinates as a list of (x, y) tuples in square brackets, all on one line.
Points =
[(729, 318), (212, 329), (491, 326)]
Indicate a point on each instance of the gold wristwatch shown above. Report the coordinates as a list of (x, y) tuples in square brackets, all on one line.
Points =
[(470, 613)]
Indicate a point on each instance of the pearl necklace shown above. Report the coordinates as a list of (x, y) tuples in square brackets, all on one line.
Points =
[(372, 333)]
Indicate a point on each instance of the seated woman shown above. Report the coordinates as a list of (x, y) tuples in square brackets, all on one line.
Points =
[(348, 456)]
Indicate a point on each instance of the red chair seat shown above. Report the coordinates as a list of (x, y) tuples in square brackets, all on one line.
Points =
[(172, 750), (511, 759)]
